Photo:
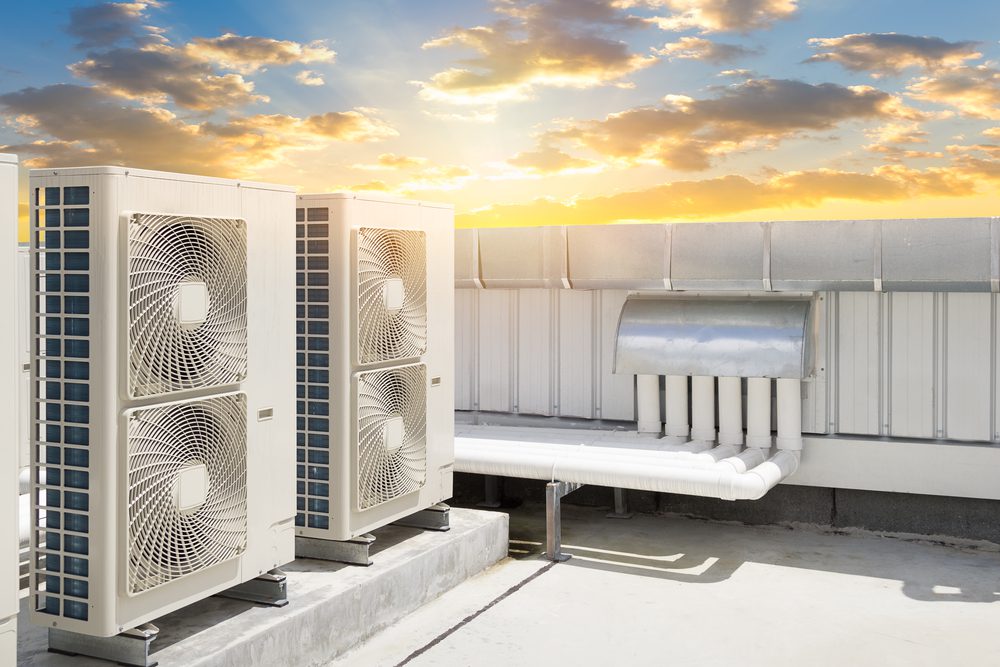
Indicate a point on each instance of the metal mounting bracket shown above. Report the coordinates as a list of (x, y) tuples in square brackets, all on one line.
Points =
[(130, 647), (554, 492), (352, 552), (269, 589), (435, 517)]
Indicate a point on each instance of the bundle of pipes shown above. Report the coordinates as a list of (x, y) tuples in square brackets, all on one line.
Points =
[(722, 470)]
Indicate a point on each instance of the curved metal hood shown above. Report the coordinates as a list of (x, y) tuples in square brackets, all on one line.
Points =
[(722, 337)]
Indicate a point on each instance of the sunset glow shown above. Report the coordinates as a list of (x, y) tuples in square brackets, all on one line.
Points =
[(529, 112)]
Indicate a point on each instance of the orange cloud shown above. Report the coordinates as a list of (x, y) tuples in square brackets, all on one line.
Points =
[(973, 90), (547, 160), (247, 54), (686, 133), (553, 43), (719, 15), (70, 125), (157, 73), (108, 23), (309, 78), (699, 48), (890, 53), (726, 195)]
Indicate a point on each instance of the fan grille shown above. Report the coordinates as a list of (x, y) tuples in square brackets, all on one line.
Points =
[(168, 255), (392, 294), (392, 433), (167, 539)]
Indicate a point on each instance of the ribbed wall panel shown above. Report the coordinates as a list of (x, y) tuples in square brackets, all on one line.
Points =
[(902, 364)]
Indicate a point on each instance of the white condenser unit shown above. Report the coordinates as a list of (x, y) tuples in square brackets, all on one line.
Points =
[(163, 308), (9, 384), (375, 361)]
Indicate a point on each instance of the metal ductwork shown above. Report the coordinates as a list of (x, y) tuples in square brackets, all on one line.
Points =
[(722, 337)]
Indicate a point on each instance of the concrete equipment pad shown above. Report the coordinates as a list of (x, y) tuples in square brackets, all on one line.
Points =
[(331, 606)]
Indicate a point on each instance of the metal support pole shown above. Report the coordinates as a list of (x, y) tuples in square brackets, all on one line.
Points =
[(554, 492), (621, 505), (492, 493)]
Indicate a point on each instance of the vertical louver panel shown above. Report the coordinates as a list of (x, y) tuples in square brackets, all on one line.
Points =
[(313, 367), (60, 243)]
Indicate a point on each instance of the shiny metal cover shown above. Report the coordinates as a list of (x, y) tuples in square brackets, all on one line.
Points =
[(724, 337)]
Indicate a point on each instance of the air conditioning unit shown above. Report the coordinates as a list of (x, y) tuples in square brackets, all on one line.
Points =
[(375, 361), (9, 380), (162, 330)]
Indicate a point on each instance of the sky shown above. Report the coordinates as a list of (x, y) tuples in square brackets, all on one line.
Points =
[(529, 112)]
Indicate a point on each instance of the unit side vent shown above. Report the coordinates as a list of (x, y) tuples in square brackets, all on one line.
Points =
[(187, 504), (60, 245), (392, 433), (187, 315), (312, 361), (391, 308)]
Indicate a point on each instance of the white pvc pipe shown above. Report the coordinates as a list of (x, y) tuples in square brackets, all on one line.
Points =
[(730, 411), (759, 412), (721, 480), (647, 403), (703, 408), (789, 414), (675, 407)]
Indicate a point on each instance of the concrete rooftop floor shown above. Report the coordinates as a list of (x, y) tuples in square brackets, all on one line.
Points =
[(656, 590)]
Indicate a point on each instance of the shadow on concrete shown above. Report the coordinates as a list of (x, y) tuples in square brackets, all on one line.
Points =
[(700, 551)]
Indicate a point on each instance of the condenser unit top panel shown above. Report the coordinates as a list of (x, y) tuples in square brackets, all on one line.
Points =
[(7, 158), (162, 175), (716, 337), (364, 196)]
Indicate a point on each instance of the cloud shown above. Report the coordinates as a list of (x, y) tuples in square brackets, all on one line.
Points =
[(550, 43), (892, 139), (890, 53), (686, 133), (548, 160), (991, 151), (699, 48), (973, 90), (109, 23), (393, 161), (719, 15), (249, 54), (993, 132), (156, 73), (68, 125), (309, 78), (727, 195)]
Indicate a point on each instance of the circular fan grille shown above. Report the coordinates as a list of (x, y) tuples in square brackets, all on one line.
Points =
[(392, 434), (167, 255), (392, 294), (175, 531)]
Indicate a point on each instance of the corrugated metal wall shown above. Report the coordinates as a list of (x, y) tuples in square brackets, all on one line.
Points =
[(903, 364), (540, 352)]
